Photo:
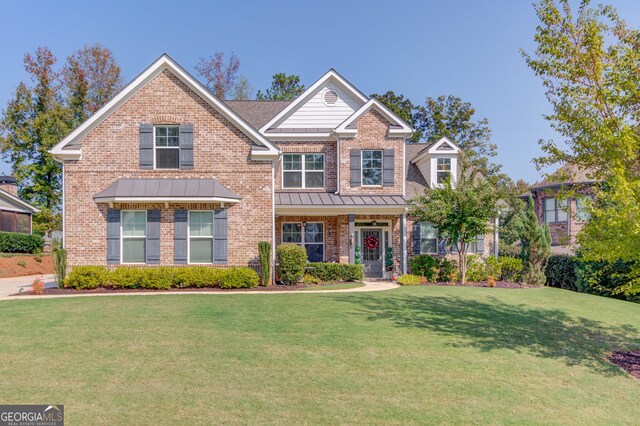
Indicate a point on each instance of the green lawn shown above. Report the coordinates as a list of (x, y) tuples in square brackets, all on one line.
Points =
[(411, 355)]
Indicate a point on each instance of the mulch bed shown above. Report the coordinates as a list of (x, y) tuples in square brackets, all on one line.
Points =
[(499, 284), (628, 361), (54, 291)]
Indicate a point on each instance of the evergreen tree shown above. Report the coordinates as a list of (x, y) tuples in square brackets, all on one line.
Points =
[(283, 88), (535, 240)]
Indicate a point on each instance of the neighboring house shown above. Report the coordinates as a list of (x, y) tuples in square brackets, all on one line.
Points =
[(565, 215), (166, 173), (15, 214)]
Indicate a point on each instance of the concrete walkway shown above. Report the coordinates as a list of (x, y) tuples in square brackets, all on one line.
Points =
[(9, 286)]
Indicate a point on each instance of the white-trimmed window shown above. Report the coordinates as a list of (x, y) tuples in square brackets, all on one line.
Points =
[(312, 239), (443, 170), (372, 167), (555, 210), (167, 147), (477, 246), (428, 238), (200, 236), (303, 170), (133, 236), (582, 211)]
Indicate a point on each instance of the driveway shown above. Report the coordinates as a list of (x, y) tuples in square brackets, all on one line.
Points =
[(13, 285)]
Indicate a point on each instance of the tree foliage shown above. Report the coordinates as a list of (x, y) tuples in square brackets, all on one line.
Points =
[(283, 88), (40, 114), (403, 108), (535, 242), (461, 210), (589, 63), (220, 76), (243, 90)]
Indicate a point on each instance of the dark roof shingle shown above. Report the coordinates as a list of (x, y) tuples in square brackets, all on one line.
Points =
[(257, 113)]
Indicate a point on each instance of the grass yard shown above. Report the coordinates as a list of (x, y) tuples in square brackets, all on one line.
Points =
[(411, 355)]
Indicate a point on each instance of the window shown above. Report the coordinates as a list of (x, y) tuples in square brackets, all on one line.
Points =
[(428, 238), (312, 240), (582, 211), (371, 168), (303, 171), (201, 237), (134, 236), (477, 246), (443, 170), (23, 223), (7, 221), (555, 210), (167, 147)]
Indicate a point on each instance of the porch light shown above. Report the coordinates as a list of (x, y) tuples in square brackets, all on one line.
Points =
[(374, 223), (330, 230)]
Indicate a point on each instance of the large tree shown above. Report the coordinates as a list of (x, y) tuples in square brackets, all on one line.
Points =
[(283, 88), (589, 63), (91, 77), (220, 76), (461, 210)]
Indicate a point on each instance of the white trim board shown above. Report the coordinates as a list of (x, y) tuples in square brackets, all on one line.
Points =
[(165, 62), (405, 130)]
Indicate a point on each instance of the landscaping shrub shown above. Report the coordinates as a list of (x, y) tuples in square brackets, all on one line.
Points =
[(561, 272), (126, 277), (534, 275), (603, 278), (328, 272), (15, 242), (476, 271), (37, 286), (88, 277), (409, 279), (425, 266), (239, 278), (264, 249), (197, 277), (292, 260), (493, 267), (510, 250), (511, 268), (309, 279), (448, 271)]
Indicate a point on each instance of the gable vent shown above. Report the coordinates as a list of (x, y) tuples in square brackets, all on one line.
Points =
[(330, 97)]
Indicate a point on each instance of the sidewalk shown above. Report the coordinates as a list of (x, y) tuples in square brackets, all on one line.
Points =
[(10, 286)]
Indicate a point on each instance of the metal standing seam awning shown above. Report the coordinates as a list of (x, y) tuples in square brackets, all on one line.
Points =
[(326, 203), (165, 191)]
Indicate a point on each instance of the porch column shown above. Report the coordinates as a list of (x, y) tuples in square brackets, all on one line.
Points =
[(352, 230), (403, 243)]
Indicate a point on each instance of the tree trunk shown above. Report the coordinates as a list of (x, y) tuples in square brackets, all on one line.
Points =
[(462, 263)]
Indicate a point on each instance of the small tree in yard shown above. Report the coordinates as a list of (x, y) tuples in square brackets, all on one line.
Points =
[(264, 249), (460, 209), (535, 241)]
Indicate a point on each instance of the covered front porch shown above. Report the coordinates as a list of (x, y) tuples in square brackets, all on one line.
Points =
[(372, 234)]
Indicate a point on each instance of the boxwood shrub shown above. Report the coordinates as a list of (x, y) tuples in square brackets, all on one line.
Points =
[(425, 266), (409, 279), (292, 260), (15, 242), (328, 272), (160, 278)]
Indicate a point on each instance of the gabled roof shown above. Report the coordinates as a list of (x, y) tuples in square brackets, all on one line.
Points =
[(164, 62), (443, 146), (17, 201), (257, 113), (331, 75), (569, 174), (398, 127)]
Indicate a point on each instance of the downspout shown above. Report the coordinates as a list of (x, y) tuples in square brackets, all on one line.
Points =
[(273, 222), (64, 218), (496, 236)]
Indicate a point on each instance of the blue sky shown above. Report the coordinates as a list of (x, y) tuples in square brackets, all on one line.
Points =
[(423, 48)]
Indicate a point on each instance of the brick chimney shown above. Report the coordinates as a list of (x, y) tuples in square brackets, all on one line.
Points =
[(9, 184)]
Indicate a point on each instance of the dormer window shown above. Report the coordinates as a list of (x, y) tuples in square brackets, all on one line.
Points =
[(443, 171)]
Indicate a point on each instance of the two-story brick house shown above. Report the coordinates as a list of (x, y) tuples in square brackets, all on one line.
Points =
[(166, 173)]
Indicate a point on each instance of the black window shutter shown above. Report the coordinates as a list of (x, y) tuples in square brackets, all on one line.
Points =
[(220, 236), (186, 146), (180, 225), (113, 236), (153, 236), (387, 166), (356, 167), (416, 237), (146, 146)]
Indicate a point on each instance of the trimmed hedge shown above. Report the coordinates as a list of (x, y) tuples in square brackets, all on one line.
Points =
[(161, 278), (328, 272), (408, 280), (292, 260), (16, 242), (561, 272)]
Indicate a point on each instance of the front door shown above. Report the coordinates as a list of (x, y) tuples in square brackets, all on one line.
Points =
[(372, 252)]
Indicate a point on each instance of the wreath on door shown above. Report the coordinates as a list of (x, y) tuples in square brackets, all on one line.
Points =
[(371, 242)]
